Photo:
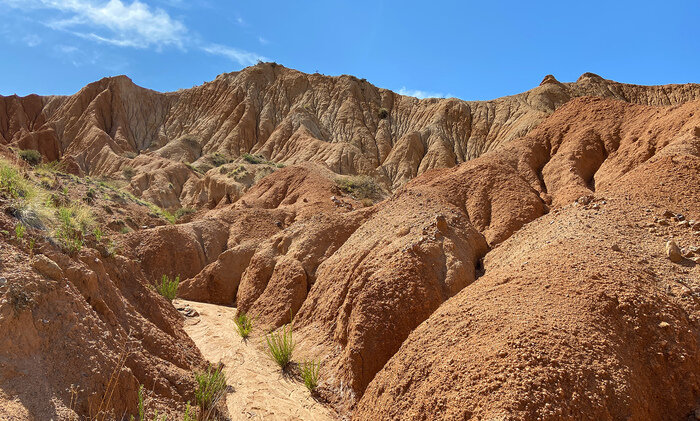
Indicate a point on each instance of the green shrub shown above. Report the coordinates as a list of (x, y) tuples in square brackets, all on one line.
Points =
[(182, 212), (238, 173), (218, 159), (188, 416), (12, 184), (244, 324), (253, 159), (74, 223), (97, 232), (19, 231), (383, 113), (280, 346), (31, 156), (125, 230), (128, 172), (310, 374), (359, 186), (263, 172), (168, 288), (211, 386)]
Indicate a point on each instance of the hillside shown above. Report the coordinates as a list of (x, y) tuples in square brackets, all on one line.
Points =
[(441, 259)]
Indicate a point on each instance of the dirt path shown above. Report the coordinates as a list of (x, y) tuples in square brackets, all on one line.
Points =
[(260, 389)]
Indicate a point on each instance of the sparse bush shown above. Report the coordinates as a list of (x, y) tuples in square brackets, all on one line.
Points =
[(128, 172), (238, 173), (383, 113), (158, 211), (168, 288), (182, 212), (203, 167), (193, 168), (12, 184), (211, 386), (188, 416), (244, 324), (53, 167), (253, 159), (112, 249), (125, 230), (263, 172), (74, 223), (97, 232), (218, 159), (359, 186), (280, 346), (310, 374), (19, 231), (31, 156), (90, 196)]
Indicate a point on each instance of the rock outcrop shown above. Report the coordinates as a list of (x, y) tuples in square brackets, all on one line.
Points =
[(286, 116)]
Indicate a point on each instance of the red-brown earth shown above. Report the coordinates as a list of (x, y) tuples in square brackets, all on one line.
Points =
[(503, 259)]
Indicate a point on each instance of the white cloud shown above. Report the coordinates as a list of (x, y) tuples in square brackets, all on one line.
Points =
[(243, 58), (422, 94), (124, 24), (32, 40), (263, 41), (128, 25)]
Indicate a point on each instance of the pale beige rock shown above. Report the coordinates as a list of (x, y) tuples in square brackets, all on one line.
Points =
[(47, 267), (673, 252)]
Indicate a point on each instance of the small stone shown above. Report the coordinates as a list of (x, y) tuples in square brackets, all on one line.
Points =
[(402, 231), (696, 226), (664, 325), (684, 224), (687, 253), (3, 282), (668, 214), (615, 247), (663, 222), (673, 252), (441, 222), (595, 206), (696, 260), (47, 267), (584, 199)]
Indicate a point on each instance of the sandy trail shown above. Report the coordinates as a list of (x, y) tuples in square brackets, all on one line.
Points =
[(260, 389)]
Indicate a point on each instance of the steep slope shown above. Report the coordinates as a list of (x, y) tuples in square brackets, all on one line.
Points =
[(518, 249), (579, 315), (424, 244), (287, 116), (81, 329)]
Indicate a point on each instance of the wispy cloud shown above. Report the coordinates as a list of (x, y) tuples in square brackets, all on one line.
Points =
[(422, 94), (123, 24), (32, 40), (242, 57), (115, 22), (263, 41)]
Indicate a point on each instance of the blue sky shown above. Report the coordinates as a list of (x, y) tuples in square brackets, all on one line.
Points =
[(467, 49)]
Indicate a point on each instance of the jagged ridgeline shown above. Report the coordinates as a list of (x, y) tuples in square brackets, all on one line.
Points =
[(169, 142), (349, 253)]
